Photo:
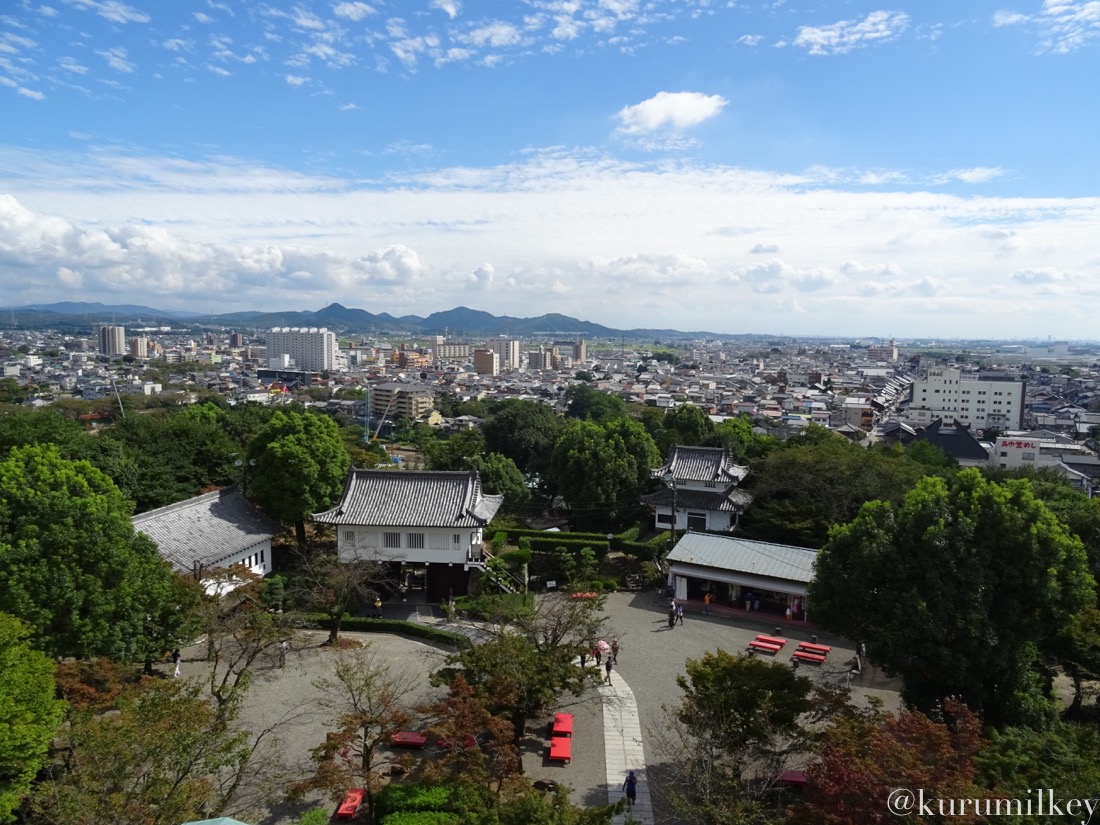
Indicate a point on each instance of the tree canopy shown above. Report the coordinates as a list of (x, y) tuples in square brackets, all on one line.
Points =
[(300, 466), (524, 431), (29, 714), (71, 565), (953, 588)]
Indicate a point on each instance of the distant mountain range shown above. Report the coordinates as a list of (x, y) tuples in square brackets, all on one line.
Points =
[(461, 321)]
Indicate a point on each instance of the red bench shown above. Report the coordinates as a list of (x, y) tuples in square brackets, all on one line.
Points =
[(807, 656), (766, 647), (814, 648), (561, 749), (350, 804), (409, 739), (772, 640), (562, 725)]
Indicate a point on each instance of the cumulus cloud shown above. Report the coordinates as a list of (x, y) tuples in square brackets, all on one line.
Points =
[(847, 35), (676, 110), (481, 279), (496, 34), (70, 65), (774, 275), (855, 268), (113, 10), (765, 248), (650, 269), (449, 7), (353, 11), (116, 59), (1038, 276)]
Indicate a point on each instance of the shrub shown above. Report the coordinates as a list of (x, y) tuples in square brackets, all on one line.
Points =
[(421, 818), (363, 624), (413, 796)]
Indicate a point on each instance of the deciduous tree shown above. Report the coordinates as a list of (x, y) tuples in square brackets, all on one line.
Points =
[(524, 431)]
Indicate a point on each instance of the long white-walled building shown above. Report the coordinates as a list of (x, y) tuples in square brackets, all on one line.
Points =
[(946, 393), (305, 348)]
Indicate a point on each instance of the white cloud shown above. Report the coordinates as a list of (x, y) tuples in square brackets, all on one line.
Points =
[(1063, 25), (978, 174), (118, 12), (481, 279), (70, 65), (116, 59), (496, 34), (765, 248), (31, 93), (847, 35), (1038, 276), (200, 17), (750, 39), (1008, 18), (677, 110), (353, 11), (296, 80), (449, 7)]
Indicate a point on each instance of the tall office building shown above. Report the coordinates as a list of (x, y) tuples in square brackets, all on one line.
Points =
[(111, 340), (308, 349)]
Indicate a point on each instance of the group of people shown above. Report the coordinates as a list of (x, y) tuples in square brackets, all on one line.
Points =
[(675, 614), (596, 651)]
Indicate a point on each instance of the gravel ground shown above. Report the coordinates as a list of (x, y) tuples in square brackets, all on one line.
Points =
[(651, 656)]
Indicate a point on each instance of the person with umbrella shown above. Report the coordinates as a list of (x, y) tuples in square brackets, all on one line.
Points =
[(602, 649)]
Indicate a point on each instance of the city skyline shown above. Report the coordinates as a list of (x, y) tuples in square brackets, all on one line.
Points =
[(740, 168)]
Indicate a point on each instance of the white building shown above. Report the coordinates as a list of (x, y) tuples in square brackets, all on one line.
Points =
[(110, 340), (306, 348), (946, 393), (508, 350), (139, 347)]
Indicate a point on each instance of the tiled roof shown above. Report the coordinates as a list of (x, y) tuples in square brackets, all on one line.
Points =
[(206, 529), (732, 501), (776, 561), (955, 440), (395, 498), (701, 464)]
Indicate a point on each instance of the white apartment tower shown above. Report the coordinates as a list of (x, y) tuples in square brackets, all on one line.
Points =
[(508, 350), (139, 347), (945, 393), (110, 340), (308, 348)]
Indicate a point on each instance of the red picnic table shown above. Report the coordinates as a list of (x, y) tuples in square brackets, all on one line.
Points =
[(561, 749), (814, 648), (562, 725), (349, 806), (765, 647), (409, 739), (773, 640)]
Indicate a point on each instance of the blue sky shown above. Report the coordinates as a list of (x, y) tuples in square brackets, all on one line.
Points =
[(844, 168)]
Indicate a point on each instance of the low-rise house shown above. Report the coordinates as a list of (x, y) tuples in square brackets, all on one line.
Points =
[(221, 530), (428, 520)]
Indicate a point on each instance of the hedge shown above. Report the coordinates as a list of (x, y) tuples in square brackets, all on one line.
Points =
[(413, 796), (363, 624), (421, 818)]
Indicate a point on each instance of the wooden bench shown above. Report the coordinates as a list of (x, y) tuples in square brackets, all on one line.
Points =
[(561, 749), (408, 739), (772, 640), (562, 725), (350, 804), (807, 656), (765, 647), (814, 648)]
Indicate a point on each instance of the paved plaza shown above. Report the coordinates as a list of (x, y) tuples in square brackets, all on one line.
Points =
[(615, 726)]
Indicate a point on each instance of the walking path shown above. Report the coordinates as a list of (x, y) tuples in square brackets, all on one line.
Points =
[(623, 752)]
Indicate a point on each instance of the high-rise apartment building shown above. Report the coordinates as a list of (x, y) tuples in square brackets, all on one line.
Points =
[(139, 347), (111, 340), (308, 349), (508, 350), (486, 362)]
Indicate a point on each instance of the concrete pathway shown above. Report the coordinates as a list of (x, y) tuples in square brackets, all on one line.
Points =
[(623, 752)]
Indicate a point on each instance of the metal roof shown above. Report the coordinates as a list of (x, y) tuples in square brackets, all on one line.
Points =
[(775, 561), (396, 498), (206, 529)]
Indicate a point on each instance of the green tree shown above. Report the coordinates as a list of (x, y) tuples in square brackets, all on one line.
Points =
[(500, 476), (820, 479), (953, 589), (601, 470), (458, 452), (300, 466), (29, 714), (687, 425), (524, 431), (737, 436), (163, 757), (71, 565), (588, 404), (738, 719)]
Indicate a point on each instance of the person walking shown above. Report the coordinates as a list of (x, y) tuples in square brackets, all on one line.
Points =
[(672, 617), (680, 614), (615, 649), (706, 603), (284, 646), (176, 661), (630, 788), (597, 654), (608, 666)]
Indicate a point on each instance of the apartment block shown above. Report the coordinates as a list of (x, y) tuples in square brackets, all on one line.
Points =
[(309, 349)]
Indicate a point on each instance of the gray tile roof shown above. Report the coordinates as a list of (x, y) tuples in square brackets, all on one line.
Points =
[(207, 529), (776, 561), (396, 498), (729, 501), (701, 464)]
